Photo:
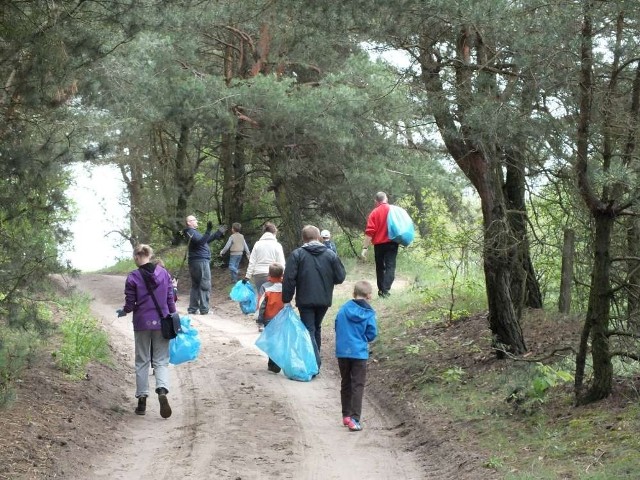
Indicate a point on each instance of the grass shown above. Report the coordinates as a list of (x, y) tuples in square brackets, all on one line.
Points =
[(520, 413), (433, 352), (83, 339)]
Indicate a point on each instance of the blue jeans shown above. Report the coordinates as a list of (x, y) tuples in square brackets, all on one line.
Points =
[(234, 263)]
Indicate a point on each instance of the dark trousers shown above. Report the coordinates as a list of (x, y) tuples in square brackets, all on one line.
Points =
[(385, 256), (200, 272), (354, 375), (312, 319)]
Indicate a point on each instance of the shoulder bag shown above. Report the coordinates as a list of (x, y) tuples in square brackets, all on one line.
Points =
[(170, 325)]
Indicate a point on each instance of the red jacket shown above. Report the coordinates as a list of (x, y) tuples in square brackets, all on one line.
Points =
[(270, 300), (377, 224)]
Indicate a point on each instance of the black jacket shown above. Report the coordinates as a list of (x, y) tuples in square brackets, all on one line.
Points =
[(311, 272), (199, 243)]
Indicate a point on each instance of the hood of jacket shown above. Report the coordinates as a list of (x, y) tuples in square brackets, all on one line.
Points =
[(268, 236), (359, 311), (149, 274), (314, 247)]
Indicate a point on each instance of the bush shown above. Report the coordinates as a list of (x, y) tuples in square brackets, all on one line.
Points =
[(17, 349), (83, 340)]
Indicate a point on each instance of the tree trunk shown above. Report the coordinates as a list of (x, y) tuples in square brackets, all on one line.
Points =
[(604, 214), (597, 322), (287, 204), (133, 176), (234, 178), (483, 168), (185, 182), (500, 253), (525, 289), (566, 275), (503, 320)]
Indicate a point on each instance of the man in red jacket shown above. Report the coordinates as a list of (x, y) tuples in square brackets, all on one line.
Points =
[(384, 248)]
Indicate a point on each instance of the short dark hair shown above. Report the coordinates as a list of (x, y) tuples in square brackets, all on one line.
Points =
[(236, 226), (269, 227)]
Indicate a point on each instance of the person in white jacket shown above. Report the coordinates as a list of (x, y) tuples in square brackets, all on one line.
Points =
[(266, 251)]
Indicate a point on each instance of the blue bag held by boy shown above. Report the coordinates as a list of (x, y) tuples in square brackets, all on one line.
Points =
[(400, 226), (186, 346), (287, 342), (244, 293)]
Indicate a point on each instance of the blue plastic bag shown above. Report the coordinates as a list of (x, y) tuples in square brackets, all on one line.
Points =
[(400, 226), (186, 346), (287, 342), (244, 294)]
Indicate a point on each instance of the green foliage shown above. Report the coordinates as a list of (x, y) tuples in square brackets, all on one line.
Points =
[(17, 349), (454, 374), (83, 340)]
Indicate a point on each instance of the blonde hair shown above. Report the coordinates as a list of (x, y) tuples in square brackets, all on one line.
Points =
[(142, 251), (362, 288)]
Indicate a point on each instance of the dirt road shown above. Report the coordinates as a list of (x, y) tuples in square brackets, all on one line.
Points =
[(232, 419)]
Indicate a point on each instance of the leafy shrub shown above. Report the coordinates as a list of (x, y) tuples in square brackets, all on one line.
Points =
[(17, 349), (83, 340)]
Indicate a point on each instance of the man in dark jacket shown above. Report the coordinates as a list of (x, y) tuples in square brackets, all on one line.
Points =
[(199, 259), (311, 272)]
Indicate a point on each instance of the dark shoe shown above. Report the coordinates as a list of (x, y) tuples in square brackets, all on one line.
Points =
[(272, 367), (165, 408), (141, 409), (384, 294)]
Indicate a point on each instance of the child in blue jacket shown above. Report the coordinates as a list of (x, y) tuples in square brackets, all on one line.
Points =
[(355, 328)]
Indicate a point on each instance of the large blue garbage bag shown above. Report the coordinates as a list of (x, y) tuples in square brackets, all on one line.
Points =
[(287, 342), (186, 346), (400, 226), (244, 293)]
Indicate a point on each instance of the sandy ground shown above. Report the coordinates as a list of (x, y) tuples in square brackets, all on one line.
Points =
[(232, 419)]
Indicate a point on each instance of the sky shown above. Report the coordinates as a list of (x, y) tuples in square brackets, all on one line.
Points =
[(97, 192)]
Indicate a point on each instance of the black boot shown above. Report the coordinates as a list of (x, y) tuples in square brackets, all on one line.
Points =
[(165, 408), (142, 406)]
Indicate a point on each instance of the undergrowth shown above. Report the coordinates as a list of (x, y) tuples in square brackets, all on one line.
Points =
[(83, 339), (435, 354)]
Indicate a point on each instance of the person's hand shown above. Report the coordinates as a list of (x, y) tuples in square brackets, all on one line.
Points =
[(221, 254), (121, 312), (363, 253), (209, 226)]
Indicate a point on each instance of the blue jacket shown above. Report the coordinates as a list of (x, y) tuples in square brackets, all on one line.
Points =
[(355, 328), (138, 300), (199, 243), (311, 272)]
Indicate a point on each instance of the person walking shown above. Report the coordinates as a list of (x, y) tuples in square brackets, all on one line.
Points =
[(326, 239), (355, 328), (270, 303), (149, 279), (265, 251), (310, 273), (385, 250), (236, 246), (199, 257)]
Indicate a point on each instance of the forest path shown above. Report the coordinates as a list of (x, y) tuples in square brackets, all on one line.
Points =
[(234, 419)]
